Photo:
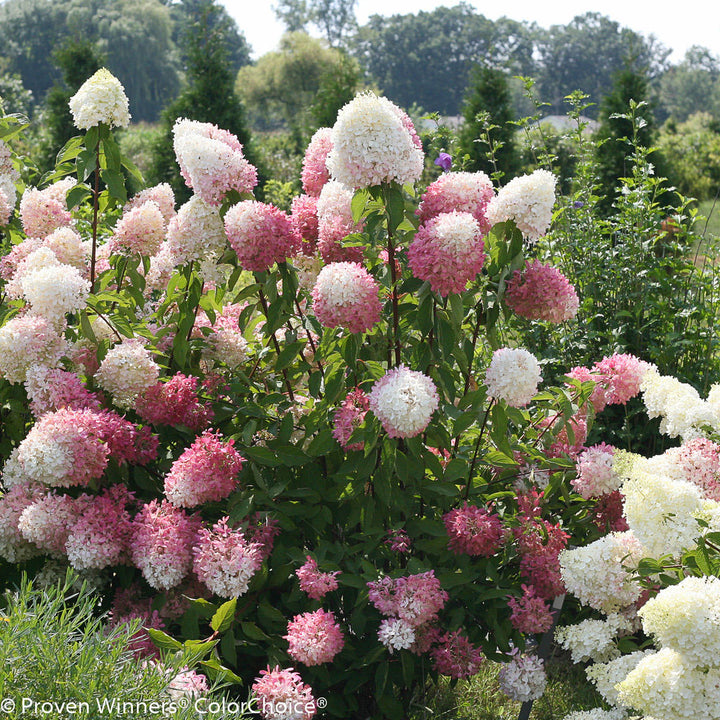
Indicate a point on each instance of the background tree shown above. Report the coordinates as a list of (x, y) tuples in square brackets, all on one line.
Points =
[(335, 19), (301, 86), (488, 114), (586, 53), (208, 97)]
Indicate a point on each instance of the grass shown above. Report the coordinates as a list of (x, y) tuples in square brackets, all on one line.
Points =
[(480, 698), (710, 209)]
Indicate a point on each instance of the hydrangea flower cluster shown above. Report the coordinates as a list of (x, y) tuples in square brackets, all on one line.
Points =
[(315, 583), (195, 233), (541, 292), (346, 295), (14, 547), (127, 371), (456, 656), (530, 613), (260, 234), (606, 676), (47, 522), (473, 531), (162, 195), (206, 471), (211, 160), (175, 402), (282, 695), (593, 639), (304, 220), (224, 560), (349, 416), (161, 543), (513, 375), (314, 170), (448, 251), (460, 191), (140, 230), (314, 638), (101, 99), (523, 678), (595, 473), (27, 340), (404, 401), (55, 290), (373, 142), (335, 223), (528, 200), (597, 574), (226, 343), (623, 375), (46, 210)]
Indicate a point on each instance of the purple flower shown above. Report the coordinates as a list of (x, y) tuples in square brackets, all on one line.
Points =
[(578, 204), (444, 161)]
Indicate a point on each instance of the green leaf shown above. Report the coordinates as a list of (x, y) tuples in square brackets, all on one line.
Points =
[(224, 616), (262, 455), (163, 641), (252, 631), (115, 184)]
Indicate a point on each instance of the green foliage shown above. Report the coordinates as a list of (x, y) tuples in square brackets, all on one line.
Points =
[(488, 134), (334, 18), (14, 96), (55, 647)]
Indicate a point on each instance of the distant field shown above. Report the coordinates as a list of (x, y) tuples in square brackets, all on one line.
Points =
[(711, 210)]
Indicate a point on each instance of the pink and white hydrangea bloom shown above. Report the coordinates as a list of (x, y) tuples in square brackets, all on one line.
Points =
[(541, 292), (314, 638), (513, 376), (403, 400)]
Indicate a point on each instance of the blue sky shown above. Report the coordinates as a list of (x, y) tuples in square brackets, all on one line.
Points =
[(678, 26)]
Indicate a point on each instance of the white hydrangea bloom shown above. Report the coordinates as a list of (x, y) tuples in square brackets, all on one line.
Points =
[(665, 686), (372, 145), (100, 99), (686, 618), (196, 232), (662, 512), (404, 401), (598, 574), (396, 634), (598, 714), (335, 201), (513, 375), (26, 340), (523, 678), (593, 639), (607, 675), (682, 411), (126, 371), (528, 200), (55, 290)]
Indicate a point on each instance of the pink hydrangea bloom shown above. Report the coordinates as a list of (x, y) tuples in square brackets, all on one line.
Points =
[(262, 530), (162, 195), (448, 251), (530, 613), (314, 638), (624, 373), (140, 230), (335, 223), (595, 474), (349, 416), (195, 233), (282, 695), (226, 342), (599, 398), (161, 543), (403, 400), (346, 295), (416, 599), (127, 442), (260, 234), (314, 172), (211, 161), (461, 191), (7, 207), (473, 531), (126, 608), (561, 444), (28, 340), (699, 461), (48, 521), (541, 292), (100, 537), (315, 583), (456, 656), (175, 402), (187, 683), (9, 263), (14, 547), (224, 560), (51, 389), (399, 541), (304, 219), (609, 513), (206, 471), (42, 211)]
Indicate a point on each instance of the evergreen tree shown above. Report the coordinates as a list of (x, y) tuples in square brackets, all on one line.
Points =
[(209, 96), (77, 59), (488, 113), (614, 151)]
